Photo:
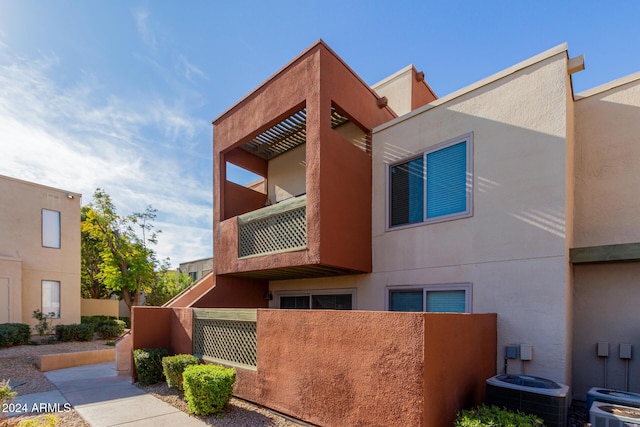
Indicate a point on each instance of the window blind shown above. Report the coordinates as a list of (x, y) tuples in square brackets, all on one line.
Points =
[(447, 180)]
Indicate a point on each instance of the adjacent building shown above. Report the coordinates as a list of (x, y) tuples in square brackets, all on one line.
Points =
[(39, 252)]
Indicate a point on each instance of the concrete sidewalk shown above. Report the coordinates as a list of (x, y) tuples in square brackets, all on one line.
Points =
[(104, 399)]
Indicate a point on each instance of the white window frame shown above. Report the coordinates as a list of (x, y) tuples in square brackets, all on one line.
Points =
[(467, 287), (468, 138), (49, 234), (311, 292), (45, 311)]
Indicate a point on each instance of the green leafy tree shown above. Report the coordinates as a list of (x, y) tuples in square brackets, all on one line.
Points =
[(128, 262), (169, 283), (91, 261)]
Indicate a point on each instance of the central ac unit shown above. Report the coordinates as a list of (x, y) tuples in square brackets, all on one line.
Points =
[(603, 414)]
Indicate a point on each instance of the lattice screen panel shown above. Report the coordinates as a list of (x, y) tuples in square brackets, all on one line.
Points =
[(284, 231), (225, 341)]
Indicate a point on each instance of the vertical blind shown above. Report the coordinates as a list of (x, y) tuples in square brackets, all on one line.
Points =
[(443, 172), (447, 180), (440, 301)]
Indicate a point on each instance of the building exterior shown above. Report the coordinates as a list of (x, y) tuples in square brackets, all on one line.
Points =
[(512, 196), (39, 252), (196, 269)]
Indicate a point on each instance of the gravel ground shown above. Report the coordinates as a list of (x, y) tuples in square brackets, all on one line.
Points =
[(236, 413), (18, 365)]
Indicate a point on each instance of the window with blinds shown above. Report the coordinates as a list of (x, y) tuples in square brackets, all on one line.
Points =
[(454, 298), (437, 186)]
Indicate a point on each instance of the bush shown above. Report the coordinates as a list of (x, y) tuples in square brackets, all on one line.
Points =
[(96, 319), (110, 329), (74, 332), (46, 420), (14, 334), (174, 366), (487, 416), (207, 388), (148, 363)]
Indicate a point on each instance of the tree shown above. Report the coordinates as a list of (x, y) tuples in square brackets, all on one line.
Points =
[(127, 262), (91, 261), (169, 283)]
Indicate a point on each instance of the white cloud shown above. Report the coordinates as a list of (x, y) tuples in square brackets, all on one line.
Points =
[(141, 17), (79, 137)]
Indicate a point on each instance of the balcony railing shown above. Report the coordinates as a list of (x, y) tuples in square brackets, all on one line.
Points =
[(226, 336), (278, 228)]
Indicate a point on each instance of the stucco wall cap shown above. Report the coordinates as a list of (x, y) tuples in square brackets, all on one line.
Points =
[(46, 187), (8, 258), (562, 48), (608, 86), (318, 44)]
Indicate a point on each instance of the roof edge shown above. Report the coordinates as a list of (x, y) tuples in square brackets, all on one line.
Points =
[(561, 48), (608, 86), (35, 184), (316, 45)]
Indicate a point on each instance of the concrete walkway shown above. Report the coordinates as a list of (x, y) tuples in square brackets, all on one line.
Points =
[(104, 399)]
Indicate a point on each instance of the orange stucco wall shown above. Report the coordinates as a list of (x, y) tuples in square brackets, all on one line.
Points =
[(338, 175), (337, 368), (235, 292), (459, 355)]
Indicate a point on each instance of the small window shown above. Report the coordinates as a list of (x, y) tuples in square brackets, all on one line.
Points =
[(51, 298), (50, 229), (434, 187), (317, 300), (193, 275), (455, 298)]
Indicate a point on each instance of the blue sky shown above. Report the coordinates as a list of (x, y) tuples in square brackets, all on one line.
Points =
[(121, 94)]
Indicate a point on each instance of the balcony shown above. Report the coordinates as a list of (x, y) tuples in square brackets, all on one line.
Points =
[(274, 229)]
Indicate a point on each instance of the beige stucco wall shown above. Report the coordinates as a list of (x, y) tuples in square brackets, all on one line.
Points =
[(20, 237), (397, 89), (608, 166), (606, 212), (287, 174), (513, 250), (11, 284), (606, 309), (99, 307)]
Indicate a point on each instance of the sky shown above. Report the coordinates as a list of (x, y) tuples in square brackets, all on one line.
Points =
[(120, 95)]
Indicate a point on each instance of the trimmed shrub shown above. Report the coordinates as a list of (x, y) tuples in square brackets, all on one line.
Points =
[(489, 416), (207, 388), (174, 366), (75, 332), (14, 334), (148, 362), (96, 319), (110, 329)]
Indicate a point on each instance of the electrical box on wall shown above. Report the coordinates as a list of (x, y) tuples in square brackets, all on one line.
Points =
[(512, 351), (625, 351), (603, 349), (526, 352)]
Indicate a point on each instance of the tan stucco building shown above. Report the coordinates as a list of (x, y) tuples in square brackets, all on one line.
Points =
[(513, 196), (39, 252)]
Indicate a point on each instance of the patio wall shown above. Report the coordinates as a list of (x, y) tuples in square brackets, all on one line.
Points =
[(336, 368)]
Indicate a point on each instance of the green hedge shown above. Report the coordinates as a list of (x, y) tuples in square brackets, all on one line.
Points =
[(207, 388), (107, 327), (492, 416), (75, 332), (14, 334), (174, 366), (110, 329), (148, 363)]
